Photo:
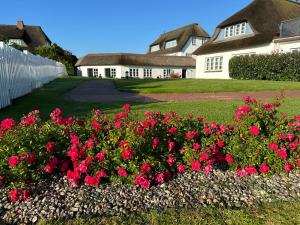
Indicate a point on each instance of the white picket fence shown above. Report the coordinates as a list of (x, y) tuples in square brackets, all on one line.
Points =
[(21, 72)]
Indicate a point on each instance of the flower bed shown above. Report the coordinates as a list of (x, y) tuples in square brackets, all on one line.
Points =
[(95, 150)]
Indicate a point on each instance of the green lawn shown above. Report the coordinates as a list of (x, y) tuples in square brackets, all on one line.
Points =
[(202, 86), (270, 214), (50, 96)]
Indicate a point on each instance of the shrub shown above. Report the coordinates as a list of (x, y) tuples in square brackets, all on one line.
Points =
[(96, 149), (278, 67)]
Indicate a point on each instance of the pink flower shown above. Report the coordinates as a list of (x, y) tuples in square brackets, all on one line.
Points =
[(288, 167), (159, 178), (26, 194), (196, 146), (298, 163), (83, 168), (7, 124), (293, 145), (92, 181), (204, 156), (155, 143), (282, 154), (171, 160), (171, 146), (13, 161), (127, 154), (101, 173), (28, 121), (264, 168), (207, 131), (196, 165), (73, 176), (220, 143), (191, 135), (273, 146), (96, 125), (1, 180), (251, 170), (291, 137), (207, 169), (142, 181), (127, 107), (281, 137), (172, 130), (15, 195), (89, 144), (254, 130), (246, 98), (242, 172), (229, 158), (146, 167), (118, 124), (50, 147), (49, 169), (122, 172), (181, 169)]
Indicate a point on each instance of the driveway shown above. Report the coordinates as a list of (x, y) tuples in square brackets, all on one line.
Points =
[(105, 91)]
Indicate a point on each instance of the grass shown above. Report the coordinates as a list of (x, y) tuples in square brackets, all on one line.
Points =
[(275, 214), (203, 86), (49, 97)]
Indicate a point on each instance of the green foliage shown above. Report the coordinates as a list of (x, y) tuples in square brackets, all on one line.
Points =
[(57, 53), (277, 67)]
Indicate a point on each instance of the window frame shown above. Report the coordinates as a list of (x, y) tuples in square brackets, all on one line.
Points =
[(214, 64)]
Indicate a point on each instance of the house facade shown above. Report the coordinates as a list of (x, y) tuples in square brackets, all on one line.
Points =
[(27, 37), (273, 28), (125, 65), (180, 42)]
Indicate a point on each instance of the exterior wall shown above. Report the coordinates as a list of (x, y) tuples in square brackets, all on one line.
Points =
[(121, 71), (285, 47), (224, 74)]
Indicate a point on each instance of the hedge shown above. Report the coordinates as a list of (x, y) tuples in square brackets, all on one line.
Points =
[(277, 67)]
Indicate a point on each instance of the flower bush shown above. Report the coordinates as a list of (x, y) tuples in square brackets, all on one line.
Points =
[(94, 150)]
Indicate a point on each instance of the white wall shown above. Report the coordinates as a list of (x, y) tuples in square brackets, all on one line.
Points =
[(224, 74), (285, 47), (121, 71), (21, 72)]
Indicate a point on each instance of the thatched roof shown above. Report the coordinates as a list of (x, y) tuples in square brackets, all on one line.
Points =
[(264, 16), (127, 59), (33, 36), (182, 35)]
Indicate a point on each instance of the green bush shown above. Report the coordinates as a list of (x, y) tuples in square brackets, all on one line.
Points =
[(278, 67)]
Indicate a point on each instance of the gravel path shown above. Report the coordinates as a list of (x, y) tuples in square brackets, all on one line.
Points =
[(191, 190), (105, 91)]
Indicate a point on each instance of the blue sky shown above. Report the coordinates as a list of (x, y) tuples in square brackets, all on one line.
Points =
[(91, 26)]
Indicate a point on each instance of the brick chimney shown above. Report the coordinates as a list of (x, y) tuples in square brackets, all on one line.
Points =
[(20, 25)]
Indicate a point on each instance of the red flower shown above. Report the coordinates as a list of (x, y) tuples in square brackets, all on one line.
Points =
[(242, 172), (118, 124), (204, 156), (254, 130), (15, 195), (1, 180), (273, 146), (264, 168), (122, 172), (31, 158), (288, 167), (298, 163), (101, 173), (127, 154), (181, 169), (92, 181), (191, 135), (171, 146), (159, 178), (207, 130), (152, 122), (50, 147), (142, 181), (196, 165), (73, 176), (251, 170), (155, 143), (171, 160), (7, 124), (172, 130), (64, 165), (28, 121), (89, 144), (13, 161), (26, 194), (220, 143), (127, 107), (196, 146), (96, 125), (207, 169), (100, 157), (83, 168), (281, 137), (282, 153), (146, 167), (229, 158), (49, 169)]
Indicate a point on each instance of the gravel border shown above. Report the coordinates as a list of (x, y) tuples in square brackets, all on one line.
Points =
[(56, 200)]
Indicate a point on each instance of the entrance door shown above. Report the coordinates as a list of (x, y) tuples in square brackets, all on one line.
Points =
[(183, 73), (90, 72), (107, 72)]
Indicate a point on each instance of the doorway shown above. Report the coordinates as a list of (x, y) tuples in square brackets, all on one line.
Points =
[(107, 72), (183, 76)]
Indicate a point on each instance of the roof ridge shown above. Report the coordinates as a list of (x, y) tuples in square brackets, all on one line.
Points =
[(180, 28)]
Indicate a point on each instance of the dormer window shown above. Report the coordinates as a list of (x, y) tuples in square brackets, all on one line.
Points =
[(235, 30), (171, 44), (155, 48)]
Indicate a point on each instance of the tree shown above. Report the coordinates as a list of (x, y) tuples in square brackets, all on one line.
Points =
[(57, 53)]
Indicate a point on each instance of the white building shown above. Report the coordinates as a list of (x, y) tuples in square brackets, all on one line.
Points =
[(180, 42), (263, 27), (122, 65)]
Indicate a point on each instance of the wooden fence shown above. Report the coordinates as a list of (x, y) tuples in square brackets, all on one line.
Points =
[(21, 72)]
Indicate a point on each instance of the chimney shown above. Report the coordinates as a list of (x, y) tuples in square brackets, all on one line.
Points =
[(20, 25)]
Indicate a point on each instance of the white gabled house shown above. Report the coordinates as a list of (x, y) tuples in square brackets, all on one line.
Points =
[(180, 42), (263, 27), (125, 65)]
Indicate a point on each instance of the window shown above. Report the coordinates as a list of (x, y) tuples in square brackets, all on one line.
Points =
[(295, 50), (155, 48), (113, 72), (133, 72), (235, 30), (214, 63), (245, 54), (194, 41), (147, 73), (167, 72), (171, 44), (95, 72)]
